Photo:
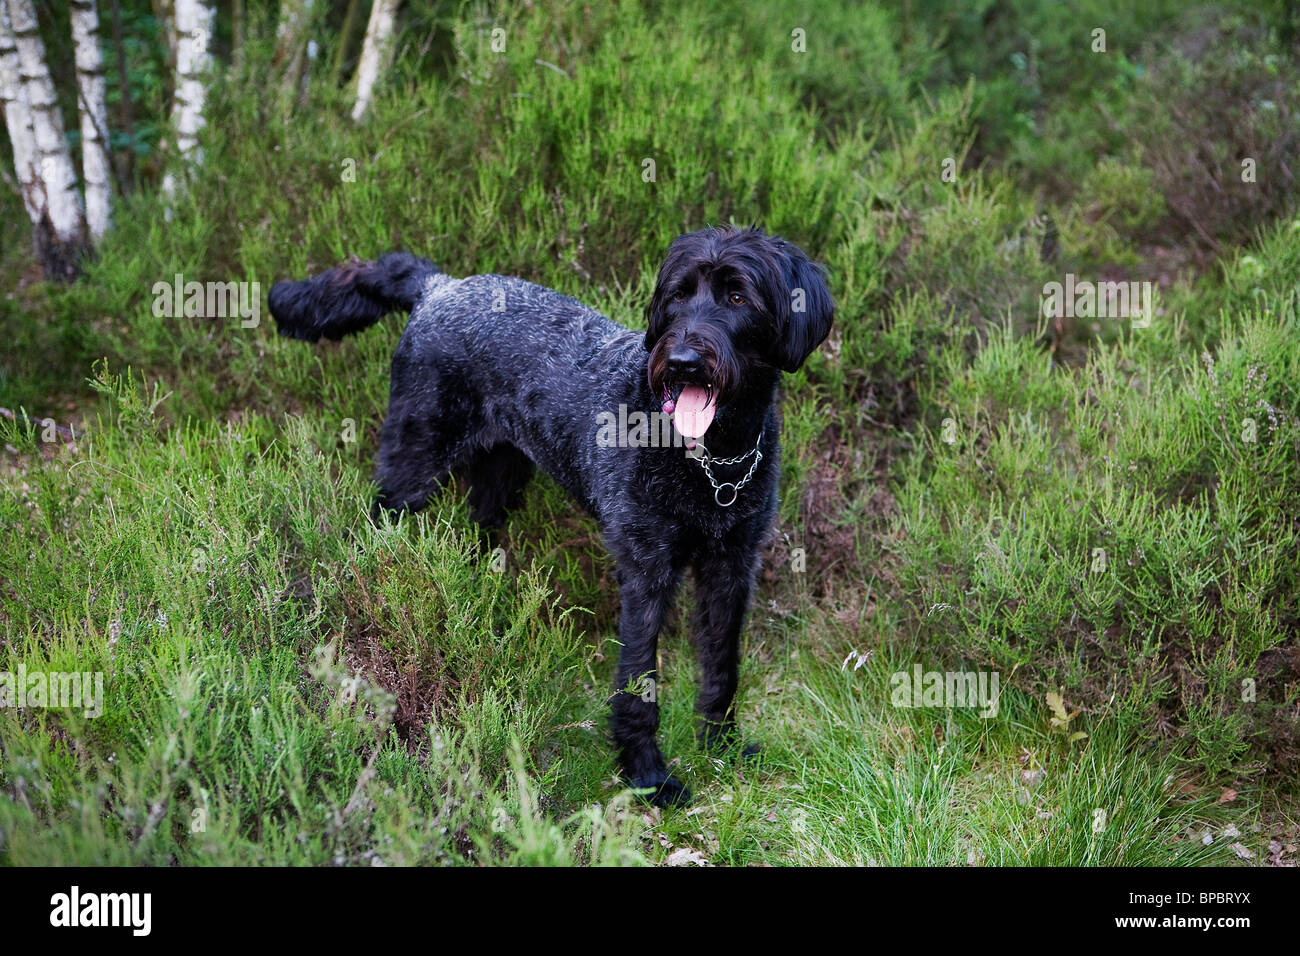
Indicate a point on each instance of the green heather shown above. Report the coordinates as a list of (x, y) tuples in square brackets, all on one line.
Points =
[(1103, 513)]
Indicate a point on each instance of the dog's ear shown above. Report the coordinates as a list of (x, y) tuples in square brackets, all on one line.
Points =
[(656, 320), (804, 313)]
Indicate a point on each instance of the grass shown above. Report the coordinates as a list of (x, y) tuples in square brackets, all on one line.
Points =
[(966, 486)]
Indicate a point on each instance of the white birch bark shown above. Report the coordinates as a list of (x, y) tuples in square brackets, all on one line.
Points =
[(18, 118), (194, 23), (374, 52), (296, 20), (55, 176), (96, 172)]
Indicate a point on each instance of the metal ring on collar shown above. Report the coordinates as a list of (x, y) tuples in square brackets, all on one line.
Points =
[(735, 493)]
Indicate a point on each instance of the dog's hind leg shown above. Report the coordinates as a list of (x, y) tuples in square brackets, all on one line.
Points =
[(411, 466), (427, 434), (497, 477)]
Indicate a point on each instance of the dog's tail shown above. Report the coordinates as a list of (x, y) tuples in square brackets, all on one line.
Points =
[(350, 297)]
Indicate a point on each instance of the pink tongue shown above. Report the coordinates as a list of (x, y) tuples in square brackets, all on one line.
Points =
[(694, 412)]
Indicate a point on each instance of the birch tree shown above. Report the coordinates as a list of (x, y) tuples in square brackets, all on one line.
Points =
[(296, 20), (193, 61), (374, 52), (18, 118), (52, 199), (96, 172)]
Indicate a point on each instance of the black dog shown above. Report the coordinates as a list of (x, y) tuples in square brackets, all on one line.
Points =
[(495, 375)]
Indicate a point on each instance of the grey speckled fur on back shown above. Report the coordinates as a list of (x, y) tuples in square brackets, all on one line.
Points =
[(511, 358)]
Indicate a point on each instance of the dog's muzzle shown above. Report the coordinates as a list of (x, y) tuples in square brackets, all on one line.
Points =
[(688, 394), (692, 407)]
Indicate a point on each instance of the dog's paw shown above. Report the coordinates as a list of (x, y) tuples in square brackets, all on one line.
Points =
[(662, 790), (734, 752), (725, 743)]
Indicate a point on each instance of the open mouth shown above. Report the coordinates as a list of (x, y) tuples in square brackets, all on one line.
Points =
[(692, 406)]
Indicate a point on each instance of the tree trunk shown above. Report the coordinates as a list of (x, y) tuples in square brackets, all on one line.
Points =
[(296, 17), (162, 13), (345, 35), (60, 227), (193, 61), (18, 119), (374, 52), (237, 33), (96, 172)]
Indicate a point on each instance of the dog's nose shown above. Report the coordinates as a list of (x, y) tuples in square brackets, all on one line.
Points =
[(684, 360)]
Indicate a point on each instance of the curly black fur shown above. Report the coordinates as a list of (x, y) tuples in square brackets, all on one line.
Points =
[(495, 376)]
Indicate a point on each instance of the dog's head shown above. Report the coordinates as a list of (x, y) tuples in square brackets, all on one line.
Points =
[(728, 303)]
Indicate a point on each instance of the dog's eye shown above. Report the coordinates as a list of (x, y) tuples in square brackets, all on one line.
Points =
[(679, 297), (736, 298)]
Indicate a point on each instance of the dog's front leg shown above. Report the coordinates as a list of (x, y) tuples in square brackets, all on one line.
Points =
[(723, 583), (645, 601)]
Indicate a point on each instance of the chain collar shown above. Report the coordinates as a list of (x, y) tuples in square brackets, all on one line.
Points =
[(705, 460)]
